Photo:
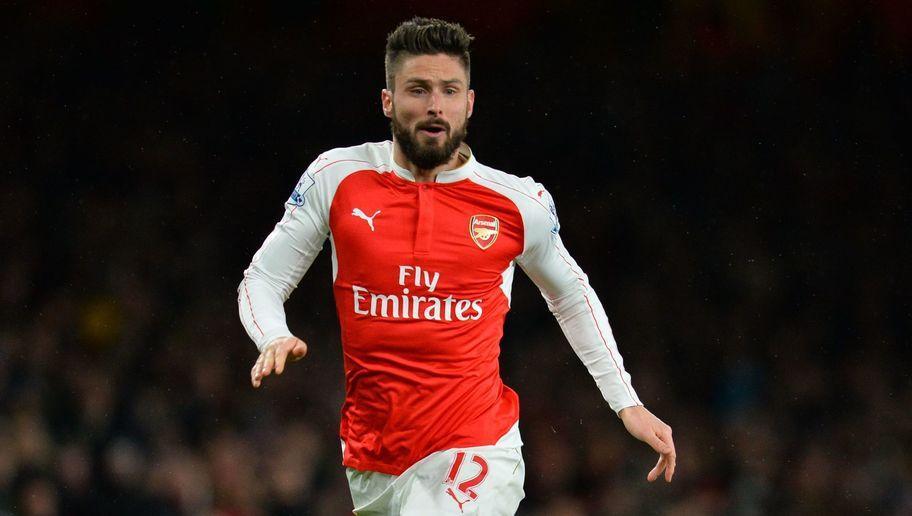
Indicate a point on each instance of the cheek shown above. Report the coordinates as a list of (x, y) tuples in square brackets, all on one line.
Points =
[(405, 111), (458, 108)]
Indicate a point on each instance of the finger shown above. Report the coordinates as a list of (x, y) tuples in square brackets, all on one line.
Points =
[(671, 459), (255, 372), (268, 362), (653, 439), (298, 352), (280, 356), (657, 470)]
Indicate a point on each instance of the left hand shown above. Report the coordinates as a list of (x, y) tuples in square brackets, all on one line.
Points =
[(643, 425)]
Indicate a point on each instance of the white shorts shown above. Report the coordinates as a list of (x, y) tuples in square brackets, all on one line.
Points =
[(482, 481)]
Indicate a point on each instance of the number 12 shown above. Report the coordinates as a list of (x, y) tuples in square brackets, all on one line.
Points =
[(467, 486)]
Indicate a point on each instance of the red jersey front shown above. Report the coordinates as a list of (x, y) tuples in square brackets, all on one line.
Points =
[(422, 277)]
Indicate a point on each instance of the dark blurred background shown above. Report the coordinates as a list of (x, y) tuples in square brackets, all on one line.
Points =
[(732, 176)]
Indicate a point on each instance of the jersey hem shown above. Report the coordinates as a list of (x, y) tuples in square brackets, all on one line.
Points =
[(394, 469)]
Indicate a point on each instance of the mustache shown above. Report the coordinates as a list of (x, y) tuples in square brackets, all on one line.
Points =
[(433, 123)]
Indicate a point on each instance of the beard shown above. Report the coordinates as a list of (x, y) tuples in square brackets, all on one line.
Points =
[(428, 156)]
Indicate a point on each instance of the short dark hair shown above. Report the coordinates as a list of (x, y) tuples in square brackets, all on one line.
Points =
[(424, 36)]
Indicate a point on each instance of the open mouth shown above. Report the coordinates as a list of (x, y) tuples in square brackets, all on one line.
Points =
[(433, 130)]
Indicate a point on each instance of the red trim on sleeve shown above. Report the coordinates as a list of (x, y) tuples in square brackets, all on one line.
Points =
[(595, 320), (355, 160), (250, 305), (515, 190)]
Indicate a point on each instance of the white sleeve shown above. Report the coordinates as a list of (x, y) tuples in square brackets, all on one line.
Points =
[(283, 259), (566, 289)]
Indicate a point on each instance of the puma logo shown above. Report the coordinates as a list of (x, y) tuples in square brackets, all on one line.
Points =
[(370, 220), (449, 491)]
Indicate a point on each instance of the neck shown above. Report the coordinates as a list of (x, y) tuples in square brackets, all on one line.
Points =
[(426, 175)]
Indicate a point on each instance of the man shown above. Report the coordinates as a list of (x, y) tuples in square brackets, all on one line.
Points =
[(424, 244)]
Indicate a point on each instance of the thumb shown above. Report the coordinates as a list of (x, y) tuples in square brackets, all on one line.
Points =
[(299, 350)]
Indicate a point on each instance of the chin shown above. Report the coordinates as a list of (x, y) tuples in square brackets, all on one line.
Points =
[(432, 144)]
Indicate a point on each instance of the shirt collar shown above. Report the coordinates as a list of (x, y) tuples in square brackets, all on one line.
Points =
[(447, 176)]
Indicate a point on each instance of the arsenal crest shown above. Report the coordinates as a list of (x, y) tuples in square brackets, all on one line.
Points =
[(484, 230)]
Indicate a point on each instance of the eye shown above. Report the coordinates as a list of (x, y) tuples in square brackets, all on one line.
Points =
[(418, 91), (451, 91)]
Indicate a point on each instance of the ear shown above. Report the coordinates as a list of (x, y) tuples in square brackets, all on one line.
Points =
[(471, 98), (386, 102)]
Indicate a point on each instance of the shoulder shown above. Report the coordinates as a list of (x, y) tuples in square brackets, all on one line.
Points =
[(535, 204), (367, 156), (323, 176), (530, 196)]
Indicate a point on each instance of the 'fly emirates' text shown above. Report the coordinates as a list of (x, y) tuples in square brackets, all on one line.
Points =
[(407, 306)]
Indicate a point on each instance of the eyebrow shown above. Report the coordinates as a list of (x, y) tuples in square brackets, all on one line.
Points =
[(428, 82)]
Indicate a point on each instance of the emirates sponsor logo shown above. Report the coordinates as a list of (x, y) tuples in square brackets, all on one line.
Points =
[(484, 230), (410, 305)]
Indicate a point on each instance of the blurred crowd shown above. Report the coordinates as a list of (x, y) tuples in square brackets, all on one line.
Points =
[(730, 175)]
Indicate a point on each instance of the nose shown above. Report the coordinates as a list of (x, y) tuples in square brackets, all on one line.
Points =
[(434, 105)]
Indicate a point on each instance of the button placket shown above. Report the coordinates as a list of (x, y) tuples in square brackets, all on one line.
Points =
[(424, 231)]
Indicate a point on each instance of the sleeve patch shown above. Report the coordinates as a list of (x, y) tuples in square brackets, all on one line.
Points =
[(555, 224), (297, 195)]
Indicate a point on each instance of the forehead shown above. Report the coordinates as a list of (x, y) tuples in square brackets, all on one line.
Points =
[(435, 67)]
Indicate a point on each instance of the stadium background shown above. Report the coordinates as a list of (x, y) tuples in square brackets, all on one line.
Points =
[(730, 174)]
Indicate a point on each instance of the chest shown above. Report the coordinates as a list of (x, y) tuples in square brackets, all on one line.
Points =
[(384, 229)]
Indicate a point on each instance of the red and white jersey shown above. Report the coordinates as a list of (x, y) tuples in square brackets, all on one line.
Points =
[(422, 274)]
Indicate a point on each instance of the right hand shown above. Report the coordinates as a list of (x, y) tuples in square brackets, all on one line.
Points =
[(274, 356)]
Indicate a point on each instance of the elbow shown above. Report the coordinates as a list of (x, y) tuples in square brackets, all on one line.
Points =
[(257, 280), (242, 286)]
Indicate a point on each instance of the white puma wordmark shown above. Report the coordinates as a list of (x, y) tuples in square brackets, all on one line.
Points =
[(360, 214)]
